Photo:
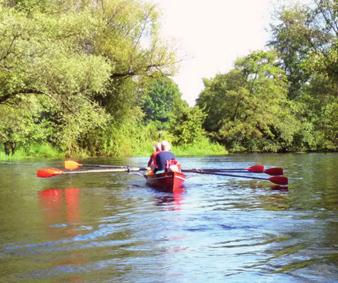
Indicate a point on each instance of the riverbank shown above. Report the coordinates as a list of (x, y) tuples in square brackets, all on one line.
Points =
[(46, 151)]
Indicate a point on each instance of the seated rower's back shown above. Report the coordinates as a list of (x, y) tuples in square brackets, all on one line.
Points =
[(163, 156)]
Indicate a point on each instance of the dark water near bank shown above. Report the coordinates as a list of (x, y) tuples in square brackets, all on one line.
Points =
[(112, 228)]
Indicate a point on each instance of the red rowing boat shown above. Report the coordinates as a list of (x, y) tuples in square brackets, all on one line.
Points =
[(167, 182)]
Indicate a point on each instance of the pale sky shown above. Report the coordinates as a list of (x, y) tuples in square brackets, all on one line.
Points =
[(211, 34)]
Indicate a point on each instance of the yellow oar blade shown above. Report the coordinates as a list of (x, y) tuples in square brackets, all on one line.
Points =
[(72, 165)]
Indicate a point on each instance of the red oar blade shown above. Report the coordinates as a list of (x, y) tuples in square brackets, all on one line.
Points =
[(48, 172), (274, 171), (279, 180), (256, 169)]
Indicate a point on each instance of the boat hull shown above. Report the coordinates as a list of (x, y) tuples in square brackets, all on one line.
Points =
[(167, 182)]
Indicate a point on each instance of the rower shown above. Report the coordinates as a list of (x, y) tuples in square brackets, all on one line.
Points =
[(164, 157), (152, 159)]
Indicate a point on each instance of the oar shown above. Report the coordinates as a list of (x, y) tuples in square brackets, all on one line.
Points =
[(275, 171), (51, 172), (73, 165), (279, 180), (252, 169)]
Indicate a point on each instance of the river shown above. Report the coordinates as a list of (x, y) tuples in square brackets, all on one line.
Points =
[(113, 228)]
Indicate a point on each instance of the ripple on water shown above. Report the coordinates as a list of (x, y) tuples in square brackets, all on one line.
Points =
[(115, 229)]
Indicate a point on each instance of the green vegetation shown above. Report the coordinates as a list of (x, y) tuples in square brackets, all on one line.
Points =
[(36, 151), (200, 148), (252, 103), (283, 99), (90, 78)]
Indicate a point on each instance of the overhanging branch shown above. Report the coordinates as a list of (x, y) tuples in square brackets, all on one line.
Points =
[(5, 98)]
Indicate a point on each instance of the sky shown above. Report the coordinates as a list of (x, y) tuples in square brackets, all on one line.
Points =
[(209, 35)]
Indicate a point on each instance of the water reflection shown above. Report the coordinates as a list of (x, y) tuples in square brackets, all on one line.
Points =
[(60, 209), (172, 201), (279, 188)]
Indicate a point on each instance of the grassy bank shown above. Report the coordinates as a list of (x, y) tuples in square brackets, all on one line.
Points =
[(202, 147), (38, 151)]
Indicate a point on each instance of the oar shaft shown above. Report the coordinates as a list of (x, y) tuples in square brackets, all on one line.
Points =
[(232, 175), (230, 169), (102, 166), (274, 171), (216, 170), (73, 165), (125, 169), (211, 171), (280, 180)]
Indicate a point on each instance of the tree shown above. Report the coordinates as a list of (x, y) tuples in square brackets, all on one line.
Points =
[(247, 108), (306, 40), (23, 126), (306, 36), (38, 58), (187, 127), (161, 101), (290, 40), (86, 57), (128, 38)]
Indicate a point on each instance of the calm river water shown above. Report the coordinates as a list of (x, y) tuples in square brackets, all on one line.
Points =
[(113, 228)]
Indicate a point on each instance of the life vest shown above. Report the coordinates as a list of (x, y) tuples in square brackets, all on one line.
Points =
[(152, 160)]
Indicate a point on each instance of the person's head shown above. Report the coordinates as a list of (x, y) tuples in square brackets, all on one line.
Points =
[(165, 146), (157, 146)]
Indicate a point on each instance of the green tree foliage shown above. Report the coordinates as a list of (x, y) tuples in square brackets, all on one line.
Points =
[(247, 108), (161, 102), (169, 117), (86, 58), (93, 76), (128, 39), (306, 39), (290, 40), (24, 125), (284, 99), (187, 127), (42, 55)]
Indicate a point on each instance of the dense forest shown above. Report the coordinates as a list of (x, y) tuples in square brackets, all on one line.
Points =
[(94, 77)]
